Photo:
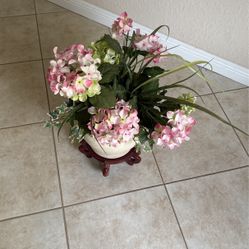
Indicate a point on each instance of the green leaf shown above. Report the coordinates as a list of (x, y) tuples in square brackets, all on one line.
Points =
[(158, 28), (143, 140), (120, 92), (69, 102), (108, 72), (83, 117), (76, 133), (173, 70), (132, 39), (138, 79), (47, 124), (151, 91), (181, 101), (133, 102), (189, 88), (157, 115), (153, 71), (113, 44), (129, 80), (177, 84), (130, 51), (70, 115), (145, 118), (166, 106), (143, 53), (106, 99), (152, 86), (143, 135)]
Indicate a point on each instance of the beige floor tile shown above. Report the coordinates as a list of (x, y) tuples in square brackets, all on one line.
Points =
[(217, 82), (237, 113), (28, 175), (23, 94), (194, 82), (213, 210), (220, 83), (82, 178), (65, 28), (44, 6), (213, 147), (40, 231), (18, 39), (141, 220), (16, 7)]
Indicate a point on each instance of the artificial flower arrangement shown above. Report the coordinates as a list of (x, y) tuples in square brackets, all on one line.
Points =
[(113, 93)]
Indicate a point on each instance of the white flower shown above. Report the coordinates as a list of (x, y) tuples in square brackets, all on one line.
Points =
[(79, 85), (110, 56), (92, 110), (94, 89), (91, 72), (82, 97), (68, 91)]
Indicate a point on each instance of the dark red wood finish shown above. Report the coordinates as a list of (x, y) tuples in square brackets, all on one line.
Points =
[(131, 157)]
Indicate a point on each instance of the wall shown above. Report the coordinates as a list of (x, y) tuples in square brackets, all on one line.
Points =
[(220, 27)]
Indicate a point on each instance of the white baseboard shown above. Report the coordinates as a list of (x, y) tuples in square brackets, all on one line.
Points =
[(190, 53)]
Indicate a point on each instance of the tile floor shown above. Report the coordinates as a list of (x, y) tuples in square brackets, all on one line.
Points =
[(52, 197)]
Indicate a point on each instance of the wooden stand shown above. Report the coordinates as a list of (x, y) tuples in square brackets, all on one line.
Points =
[(131, 157)]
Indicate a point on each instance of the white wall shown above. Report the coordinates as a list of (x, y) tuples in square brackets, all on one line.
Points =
[(220, 27)]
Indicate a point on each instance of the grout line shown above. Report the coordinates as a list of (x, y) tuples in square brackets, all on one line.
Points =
[(56, 156), (54, 145), (60, 188), (16, 62), (171, 203), (80, 15), (235, 131), (52, 58), (33, 14), (114, 195), (83, 202), (219, 92), (16, 126), (225, 91), (205, 175), (202, 95), (228, 118), (120, 194), (231, 90), (53, 12), (48, 58), (30, 214)]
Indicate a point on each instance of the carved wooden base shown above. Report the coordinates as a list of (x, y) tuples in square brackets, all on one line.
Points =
[(131, 157)]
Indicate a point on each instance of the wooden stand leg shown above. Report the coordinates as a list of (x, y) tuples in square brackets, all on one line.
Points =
[(131, 157), (106, 168), (85, 150)]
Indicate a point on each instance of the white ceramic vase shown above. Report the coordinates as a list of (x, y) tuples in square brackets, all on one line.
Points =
[(107, 151)]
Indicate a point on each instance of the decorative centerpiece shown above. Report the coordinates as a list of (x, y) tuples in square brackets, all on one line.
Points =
[(115, 106)]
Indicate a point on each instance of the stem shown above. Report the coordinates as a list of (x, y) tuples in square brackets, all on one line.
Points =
[(134, 66), (151, 59), (139, 70), (201, 108), (132, 60), (167, 73)]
